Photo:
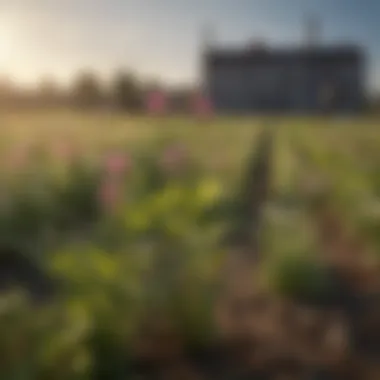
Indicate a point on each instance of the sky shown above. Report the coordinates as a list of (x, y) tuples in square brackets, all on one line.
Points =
[(161, 39)]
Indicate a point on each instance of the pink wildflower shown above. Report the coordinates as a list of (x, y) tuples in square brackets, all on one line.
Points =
[(117, 163), (156, 102)]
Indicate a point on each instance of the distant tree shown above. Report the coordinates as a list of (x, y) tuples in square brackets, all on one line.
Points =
[(7, 92), (180, 100), (126, 91), (153, 85), (49, 92), (87, 90)]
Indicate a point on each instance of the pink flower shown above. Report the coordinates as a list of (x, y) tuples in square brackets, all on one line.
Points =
[(156, 102), (117, 163), (110, 194)]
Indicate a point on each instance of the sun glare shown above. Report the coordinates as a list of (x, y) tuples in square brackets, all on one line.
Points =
[(6, 43), (5, 47)]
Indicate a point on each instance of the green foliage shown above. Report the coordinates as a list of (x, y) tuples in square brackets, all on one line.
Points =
[(79, 194), (126, 92), (159, 248), (301, 277), (87, 90)]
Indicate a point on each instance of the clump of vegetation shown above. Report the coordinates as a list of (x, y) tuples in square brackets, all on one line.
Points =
[(136, 243)]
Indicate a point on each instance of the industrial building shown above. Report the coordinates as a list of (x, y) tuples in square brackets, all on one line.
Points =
[(308, 78)]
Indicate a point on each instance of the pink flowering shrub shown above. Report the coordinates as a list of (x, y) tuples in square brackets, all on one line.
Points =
[(111, 188)]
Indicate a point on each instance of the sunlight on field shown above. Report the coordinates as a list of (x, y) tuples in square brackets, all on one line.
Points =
[(222, 137)]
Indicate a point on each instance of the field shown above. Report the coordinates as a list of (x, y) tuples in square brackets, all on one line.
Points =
[(124, 218)]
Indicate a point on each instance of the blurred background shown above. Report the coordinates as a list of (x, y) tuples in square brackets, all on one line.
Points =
[(189, 189), (52, 53)]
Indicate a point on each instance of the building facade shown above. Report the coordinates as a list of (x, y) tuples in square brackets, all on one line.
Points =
[(304, 79)]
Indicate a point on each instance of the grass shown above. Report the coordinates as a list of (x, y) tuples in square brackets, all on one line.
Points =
[(102, 285), (224, 138), (220, 144)]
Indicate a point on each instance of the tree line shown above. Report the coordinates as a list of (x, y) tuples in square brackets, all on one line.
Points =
[(125, 91)]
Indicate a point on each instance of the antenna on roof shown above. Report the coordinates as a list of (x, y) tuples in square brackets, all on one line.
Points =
[(312, 30)]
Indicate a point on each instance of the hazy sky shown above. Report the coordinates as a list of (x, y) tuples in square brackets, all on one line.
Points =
[(161, 38)]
